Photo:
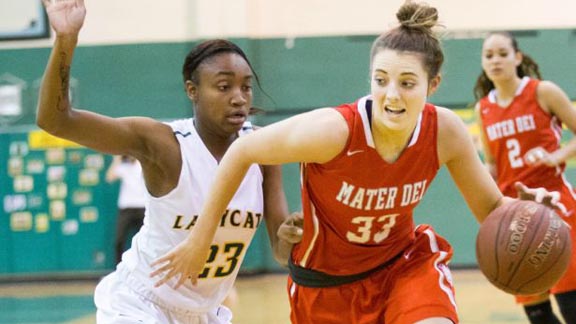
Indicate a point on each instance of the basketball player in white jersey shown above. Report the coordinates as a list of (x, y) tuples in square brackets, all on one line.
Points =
[(178, 162)]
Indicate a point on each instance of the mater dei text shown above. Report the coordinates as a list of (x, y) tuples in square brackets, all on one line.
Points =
[(510, 127), (381, 198)]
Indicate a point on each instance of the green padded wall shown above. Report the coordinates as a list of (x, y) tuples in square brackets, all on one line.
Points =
[(145, 79)]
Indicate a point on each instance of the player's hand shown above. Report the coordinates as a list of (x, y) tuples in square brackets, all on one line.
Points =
[(539, 195), (291, 229), (184, 262), (539, 156), (66, 16)]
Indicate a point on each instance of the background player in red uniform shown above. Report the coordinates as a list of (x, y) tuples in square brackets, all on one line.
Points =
[(365, 167), (521, 121)]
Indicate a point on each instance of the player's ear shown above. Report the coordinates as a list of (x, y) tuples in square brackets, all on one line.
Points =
[(434, 84), (191, 90), (518, 57)]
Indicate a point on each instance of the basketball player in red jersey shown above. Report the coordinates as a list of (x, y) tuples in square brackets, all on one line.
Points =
[(521, 119), (365, 167)]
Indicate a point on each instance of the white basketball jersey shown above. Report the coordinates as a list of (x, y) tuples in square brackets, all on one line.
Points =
[(170, 218)]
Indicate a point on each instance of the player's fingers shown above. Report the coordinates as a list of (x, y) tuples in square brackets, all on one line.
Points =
[(535, 155), (299, 222), (162, 269), (181, 281), (551, 199), (539, 195), (529, 159), (160, 282), (555, 197), (46, 3), (299, 231), (522, 190), (294, 230), (167, 258), (165, 279), (293, 239), (297, 215), (291, 234), (520, 186)]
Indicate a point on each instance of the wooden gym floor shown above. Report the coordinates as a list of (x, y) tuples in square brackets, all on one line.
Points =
[(261, 299)]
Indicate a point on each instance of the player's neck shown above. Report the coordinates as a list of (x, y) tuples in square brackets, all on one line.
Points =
[(390, 144), (216, 143), (506, 90)]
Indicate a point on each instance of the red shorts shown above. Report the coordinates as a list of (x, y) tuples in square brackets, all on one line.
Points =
[(568, 281), (418, 285)]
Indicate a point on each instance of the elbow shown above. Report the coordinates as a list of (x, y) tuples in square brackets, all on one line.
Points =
[(48, 123), (42, 123), (48, 127)]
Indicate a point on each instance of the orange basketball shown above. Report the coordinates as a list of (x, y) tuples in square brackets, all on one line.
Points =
[(523, 248)]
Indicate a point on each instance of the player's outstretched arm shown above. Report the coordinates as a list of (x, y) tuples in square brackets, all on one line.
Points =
[(133, 135), (66, 18)]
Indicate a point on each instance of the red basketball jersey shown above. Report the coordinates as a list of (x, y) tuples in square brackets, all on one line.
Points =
[(513, 131), (357, 207)]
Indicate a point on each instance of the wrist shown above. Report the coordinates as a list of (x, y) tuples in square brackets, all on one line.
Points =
[(67, 38)]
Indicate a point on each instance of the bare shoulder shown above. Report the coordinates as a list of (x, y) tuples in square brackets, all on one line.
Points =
[(160, 157), (477, 107), (158, 140), (449, 121), (329, 121), (551, 97), (548, 93), (149, 129), (330, 117), (453, 136), (546, 87)]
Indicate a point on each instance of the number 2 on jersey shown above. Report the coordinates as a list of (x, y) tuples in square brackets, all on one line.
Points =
[(513, 147)]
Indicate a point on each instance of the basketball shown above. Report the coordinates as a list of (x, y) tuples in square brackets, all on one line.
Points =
[(523, 248)]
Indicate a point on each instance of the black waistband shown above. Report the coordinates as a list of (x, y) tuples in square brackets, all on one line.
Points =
[(318, 279)]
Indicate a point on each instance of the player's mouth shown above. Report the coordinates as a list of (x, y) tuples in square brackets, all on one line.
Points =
[(236, 117), (394, 110), (496, 70)]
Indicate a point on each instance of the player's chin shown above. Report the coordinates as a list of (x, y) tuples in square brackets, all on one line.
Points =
[(232, 127)]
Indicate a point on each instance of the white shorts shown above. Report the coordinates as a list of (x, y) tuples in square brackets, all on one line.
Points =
[(116, 303)]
